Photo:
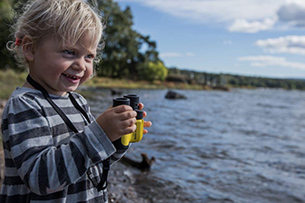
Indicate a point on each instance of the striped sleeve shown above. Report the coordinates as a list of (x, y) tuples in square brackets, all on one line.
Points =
[(120, 149), (29, 144)]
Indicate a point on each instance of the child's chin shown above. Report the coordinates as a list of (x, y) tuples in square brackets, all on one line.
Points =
[(71, 89)]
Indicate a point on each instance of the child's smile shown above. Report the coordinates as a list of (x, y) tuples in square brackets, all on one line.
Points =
[(72, 78)]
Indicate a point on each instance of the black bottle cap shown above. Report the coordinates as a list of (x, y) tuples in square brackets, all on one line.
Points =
[(140, 114), (134, 100), (121, 101)]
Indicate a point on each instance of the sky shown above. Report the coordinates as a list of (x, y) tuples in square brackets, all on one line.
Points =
[(261, 38)]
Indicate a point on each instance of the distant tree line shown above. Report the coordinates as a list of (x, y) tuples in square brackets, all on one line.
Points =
[(211, 79)]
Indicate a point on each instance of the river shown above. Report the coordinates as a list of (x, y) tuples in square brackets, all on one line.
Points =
[(238, 146)]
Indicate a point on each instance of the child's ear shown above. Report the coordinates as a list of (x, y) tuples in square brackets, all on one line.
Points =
[(28, 48)]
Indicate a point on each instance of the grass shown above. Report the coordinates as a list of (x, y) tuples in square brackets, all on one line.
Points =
[(10, 79), (104, 82)]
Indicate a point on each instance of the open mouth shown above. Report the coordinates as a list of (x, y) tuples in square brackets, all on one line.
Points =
[(72, 78)]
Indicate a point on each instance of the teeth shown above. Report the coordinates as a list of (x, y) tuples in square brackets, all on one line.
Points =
[(71, 76)]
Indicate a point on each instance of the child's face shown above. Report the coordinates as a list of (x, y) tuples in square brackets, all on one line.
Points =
[(62, 69)]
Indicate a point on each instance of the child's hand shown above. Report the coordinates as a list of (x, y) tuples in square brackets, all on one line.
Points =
[(146, 123), (118, 121)]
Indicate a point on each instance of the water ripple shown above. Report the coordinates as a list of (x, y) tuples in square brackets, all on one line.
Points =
[(239, 146)]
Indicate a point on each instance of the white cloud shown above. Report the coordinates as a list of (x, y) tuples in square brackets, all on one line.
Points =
[(293, 12), (248, 16), (242, 25), (175, 54), (288, 44), (264, 61), (216, 10)]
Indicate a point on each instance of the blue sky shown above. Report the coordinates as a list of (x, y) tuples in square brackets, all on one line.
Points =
[(246, 37)]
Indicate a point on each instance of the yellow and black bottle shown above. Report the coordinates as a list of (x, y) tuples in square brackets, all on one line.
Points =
[(137, 135)]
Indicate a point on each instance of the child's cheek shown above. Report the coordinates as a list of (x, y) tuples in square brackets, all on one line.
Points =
[(86, 76)]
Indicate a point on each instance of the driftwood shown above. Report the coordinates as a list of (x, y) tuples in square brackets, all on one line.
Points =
[(144, 165)]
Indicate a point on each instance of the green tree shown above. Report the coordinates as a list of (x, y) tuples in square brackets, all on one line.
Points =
[(8, 10), (123, 55), (154, 71), (6, 19)]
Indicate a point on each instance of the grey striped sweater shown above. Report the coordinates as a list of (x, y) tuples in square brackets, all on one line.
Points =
[(44, 160)]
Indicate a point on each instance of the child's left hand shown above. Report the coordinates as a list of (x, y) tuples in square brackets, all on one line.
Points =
[(147, 124)]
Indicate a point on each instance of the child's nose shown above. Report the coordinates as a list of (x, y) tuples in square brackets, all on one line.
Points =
[(79, 64)]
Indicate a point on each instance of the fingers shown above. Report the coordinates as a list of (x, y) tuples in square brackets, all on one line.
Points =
[(126, 119), (128, 130), (124, 112), (147, 124), (144, 114), (141, 106), (127, 123), (120, 120), (122, 108), (117, 121), (127, 115)]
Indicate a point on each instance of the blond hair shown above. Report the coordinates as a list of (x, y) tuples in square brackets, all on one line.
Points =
[(67, 20)]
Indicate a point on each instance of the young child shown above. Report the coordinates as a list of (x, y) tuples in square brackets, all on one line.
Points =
[(55, 150)]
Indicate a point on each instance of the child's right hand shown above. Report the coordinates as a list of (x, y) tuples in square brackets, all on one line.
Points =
[(117, 121)]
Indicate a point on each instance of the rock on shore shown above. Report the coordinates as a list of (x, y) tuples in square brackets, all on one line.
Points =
[(174, 95)]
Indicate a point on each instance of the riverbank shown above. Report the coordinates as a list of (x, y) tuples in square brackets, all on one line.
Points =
[(10, 79), (103, 82)]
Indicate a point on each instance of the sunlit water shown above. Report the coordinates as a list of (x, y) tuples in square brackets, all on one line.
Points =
[(238, 146)]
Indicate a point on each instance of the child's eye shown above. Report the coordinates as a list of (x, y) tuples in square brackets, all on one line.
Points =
[(90, 56), (70, 52)]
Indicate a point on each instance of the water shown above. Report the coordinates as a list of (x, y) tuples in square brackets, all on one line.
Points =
[(238, 146)]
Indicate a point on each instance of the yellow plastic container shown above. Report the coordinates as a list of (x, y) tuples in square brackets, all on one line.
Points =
[(137, 135), (133, 101)]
